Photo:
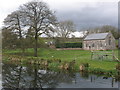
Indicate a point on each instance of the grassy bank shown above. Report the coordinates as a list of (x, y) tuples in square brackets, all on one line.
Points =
[(80, 56)]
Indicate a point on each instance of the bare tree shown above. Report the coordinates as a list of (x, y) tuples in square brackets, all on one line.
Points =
[(39, 17), (62, 29), (14, 23), (65, 28)]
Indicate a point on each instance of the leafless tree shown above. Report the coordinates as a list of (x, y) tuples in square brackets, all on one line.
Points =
[(65, 28), (39, 17), (14, 23), (62, 29)]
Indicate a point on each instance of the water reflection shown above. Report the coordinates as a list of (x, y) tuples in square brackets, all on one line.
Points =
[(15, 76), (19, 76)]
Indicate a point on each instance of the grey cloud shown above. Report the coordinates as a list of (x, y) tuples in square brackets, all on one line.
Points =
[(87, 17)]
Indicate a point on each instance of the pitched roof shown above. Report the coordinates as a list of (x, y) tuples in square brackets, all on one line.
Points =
[(96, 36)]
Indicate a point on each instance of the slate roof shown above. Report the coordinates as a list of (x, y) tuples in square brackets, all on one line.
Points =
[(96, 36)]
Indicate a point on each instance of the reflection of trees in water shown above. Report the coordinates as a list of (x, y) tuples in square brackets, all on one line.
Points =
[(12, 76), (15, 76), (57, 77), (30, 77)]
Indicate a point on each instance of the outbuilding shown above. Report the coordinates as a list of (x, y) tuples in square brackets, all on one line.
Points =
[(99, 41)]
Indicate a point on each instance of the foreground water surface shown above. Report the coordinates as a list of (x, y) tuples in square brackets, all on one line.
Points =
[(27, 76)]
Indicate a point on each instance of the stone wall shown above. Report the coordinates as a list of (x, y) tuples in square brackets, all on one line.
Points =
[(94, 45), (110, 44), (107, 44)]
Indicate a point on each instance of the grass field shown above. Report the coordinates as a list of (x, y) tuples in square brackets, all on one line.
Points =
[(81, 56)]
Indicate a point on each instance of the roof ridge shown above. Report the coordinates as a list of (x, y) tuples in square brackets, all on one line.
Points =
[(98, 36)]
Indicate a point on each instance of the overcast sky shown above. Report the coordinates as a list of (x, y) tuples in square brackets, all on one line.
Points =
[(85, 13)]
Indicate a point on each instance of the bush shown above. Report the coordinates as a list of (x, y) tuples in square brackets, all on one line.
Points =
[(118, 66), (69, 45), (85, 64)]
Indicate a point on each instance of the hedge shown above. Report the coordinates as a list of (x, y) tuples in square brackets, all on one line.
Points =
[(69, 45)]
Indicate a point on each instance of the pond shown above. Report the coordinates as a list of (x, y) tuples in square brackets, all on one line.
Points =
[(29, 76)]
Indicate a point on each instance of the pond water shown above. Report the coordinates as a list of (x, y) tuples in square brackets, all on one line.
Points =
[(27, 76)]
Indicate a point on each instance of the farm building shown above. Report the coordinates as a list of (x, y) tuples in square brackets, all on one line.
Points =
[(99, 41)]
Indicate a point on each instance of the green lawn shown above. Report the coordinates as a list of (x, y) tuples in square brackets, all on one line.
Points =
[(81, 56)]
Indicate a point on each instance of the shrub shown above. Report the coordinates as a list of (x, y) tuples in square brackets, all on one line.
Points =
[(69, 45), (86, 64), (118, 66)]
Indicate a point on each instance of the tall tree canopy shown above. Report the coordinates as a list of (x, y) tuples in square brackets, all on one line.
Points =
[(39, 17), (32, 18), (14, 21)]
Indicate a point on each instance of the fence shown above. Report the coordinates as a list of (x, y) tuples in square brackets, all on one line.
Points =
[(103, 55)]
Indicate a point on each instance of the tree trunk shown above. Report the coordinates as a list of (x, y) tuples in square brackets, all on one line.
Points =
[(36, 45), (20, 35), (22, 47)]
